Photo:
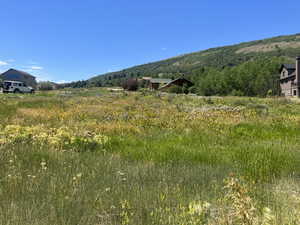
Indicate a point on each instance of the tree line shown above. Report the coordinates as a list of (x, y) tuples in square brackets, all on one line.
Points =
[(255, 77)]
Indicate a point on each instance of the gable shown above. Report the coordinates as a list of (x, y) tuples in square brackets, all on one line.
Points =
[(16, 74), (182, 81), (289, 67)]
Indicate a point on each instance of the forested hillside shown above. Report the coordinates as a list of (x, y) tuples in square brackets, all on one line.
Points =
[(249, 68)]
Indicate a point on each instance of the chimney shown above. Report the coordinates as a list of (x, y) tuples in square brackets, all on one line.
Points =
[(297, 80)]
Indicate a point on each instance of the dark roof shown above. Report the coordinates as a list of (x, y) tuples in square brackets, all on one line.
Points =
[(18, 71), (289, 66), (181, 79)]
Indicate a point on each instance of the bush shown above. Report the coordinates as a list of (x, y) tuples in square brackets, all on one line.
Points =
[(193, 90), (130, 85), (237, 93), (46, 86)]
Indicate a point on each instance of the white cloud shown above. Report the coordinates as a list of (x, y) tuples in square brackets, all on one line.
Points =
[(2, 63), (47, 77), (36, 68), (62, 81), (43, 77)]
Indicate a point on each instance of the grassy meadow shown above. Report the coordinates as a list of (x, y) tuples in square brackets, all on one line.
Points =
[(90, 156)]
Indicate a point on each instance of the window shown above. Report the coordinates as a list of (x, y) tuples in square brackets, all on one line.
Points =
[(7, 83), (295, 92)]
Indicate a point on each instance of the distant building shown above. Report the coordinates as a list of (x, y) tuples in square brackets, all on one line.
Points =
[(177, 82), (17, 75), (156, 83), (290, 78), (163, 84), (146, 78)]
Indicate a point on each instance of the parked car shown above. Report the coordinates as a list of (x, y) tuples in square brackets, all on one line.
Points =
[(16, 87)]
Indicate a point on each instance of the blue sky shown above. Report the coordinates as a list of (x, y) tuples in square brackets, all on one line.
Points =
[(64, 40)]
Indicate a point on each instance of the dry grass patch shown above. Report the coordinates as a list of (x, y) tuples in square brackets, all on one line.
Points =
[(269, 47)]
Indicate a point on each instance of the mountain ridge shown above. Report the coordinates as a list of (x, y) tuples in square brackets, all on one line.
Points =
[(287, 46)]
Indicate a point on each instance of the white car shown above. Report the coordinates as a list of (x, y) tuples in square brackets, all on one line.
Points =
[(16, 87)]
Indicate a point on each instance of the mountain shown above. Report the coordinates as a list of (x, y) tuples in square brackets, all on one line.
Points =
[(245, 69), (228, 56)]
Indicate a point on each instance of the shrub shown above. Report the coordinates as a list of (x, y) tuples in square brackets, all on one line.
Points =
[(237, 93), (130, 85), (208, 101), (193, 90), (46, 86), (270, 93), (144, 91)]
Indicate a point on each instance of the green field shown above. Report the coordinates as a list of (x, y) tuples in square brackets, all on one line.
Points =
[(90, 156)]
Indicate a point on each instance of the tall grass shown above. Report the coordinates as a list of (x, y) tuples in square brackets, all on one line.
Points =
[(163, 161)]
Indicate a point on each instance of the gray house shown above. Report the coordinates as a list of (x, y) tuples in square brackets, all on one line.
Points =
[(17, 75)]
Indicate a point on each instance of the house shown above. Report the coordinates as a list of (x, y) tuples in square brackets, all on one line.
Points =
[(289, 79), (156, 83), (177, 82), (17, 75), (147, 78)]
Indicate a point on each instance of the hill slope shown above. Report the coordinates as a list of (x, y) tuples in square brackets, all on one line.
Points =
[(288, 46), (246, 69)]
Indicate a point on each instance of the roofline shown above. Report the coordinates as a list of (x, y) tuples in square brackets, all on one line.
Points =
[(13, 81), (166, 85), (284, 66), (182, 78), (20, 71)]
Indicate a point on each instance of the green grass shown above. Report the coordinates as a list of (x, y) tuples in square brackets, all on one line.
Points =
[(162, 154)]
